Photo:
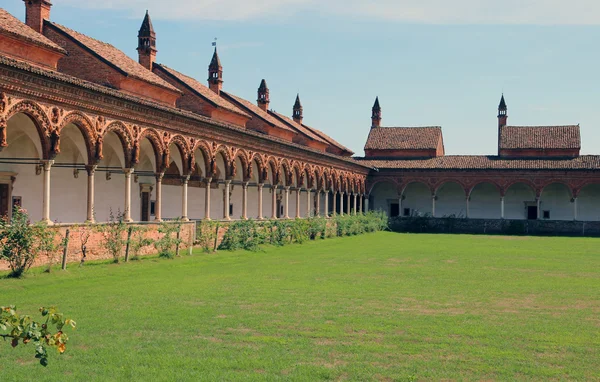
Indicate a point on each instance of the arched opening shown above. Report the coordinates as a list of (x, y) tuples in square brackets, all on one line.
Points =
[(172, 185), (217, 195), (110, 179), (384, 197), (253, 191), (21, 179), (197, 187), (143, 191), (271, 183), (416, 200), (68, 188), (588, 203), (237, 191), (484, 202), (451, 201), (555, 202), (520, 202)]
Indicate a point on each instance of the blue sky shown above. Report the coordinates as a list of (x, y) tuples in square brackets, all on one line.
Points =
[(431, 62)]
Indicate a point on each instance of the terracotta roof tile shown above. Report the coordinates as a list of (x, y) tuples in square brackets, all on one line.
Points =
[(12, 26), (252, 108), (403, 138), (481, 162), (74, 81), (115, 57), (201, 90), (540, 137), (298, 127), (330, 140)]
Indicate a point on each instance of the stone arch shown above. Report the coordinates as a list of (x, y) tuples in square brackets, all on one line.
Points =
[(384, 196), (86, 127), (519, 198), (40, 120), (273, 167), (484, 200), (224, 153), (556, 200), (309, 180), (124, 136), (416, 198), (246, 168), (588, 201), (450, 199), (157, 145), (528, 182), (187, 166), (287, 175), (204, 148)]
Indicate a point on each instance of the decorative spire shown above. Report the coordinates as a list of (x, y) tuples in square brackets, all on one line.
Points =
[(502, 112), (298, 110), (215, 73), (147, 43), (263, 96), (376, 115)]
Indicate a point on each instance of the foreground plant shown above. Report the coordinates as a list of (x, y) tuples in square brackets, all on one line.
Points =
[(24, 329), (113, 235), (170, 240)]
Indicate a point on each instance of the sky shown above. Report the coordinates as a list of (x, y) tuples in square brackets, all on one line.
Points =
[(431, 62)]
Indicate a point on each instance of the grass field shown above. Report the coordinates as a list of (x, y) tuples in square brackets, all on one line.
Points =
[(382, 306)]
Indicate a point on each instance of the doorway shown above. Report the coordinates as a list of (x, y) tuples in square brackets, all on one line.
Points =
[(532, 212)]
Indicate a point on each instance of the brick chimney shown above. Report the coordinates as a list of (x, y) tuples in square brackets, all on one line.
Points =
[(215, 74), (147, 43), (36, 11)]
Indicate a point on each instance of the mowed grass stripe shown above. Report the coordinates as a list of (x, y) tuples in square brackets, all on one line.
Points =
[(382, 306)]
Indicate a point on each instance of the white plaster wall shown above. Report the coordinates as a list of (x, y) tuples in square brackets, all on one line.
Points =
[(417, 197), (196, 203), (382, 194), (109, 194), (588, 203), (252, 202), (303, 203), (236, 200), (171, 201), (485, 202), (216, 202), (28, 186), (516, 196), (450, 201), (68, 196), (556, 198)]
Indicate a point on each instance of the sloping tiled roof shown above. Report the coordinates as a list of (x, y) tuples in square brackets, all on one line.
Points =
[(298, 127), (13, 27), (330, 140), (403, 138), (15, 64), (482, 162), (201, 90), (252, 108), (540, 137), (114, 57)]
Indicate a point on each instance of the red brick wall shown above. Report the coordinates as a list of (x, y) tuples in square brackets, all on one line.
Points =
[(95, 251), (32, 53)]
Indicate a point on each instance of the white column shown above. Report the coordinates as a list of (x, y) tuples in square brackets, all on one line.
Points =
[(334, 203), (308, 209), (184, 198), (298, 203), (354, 203), (158, 203), (287, 203), (360, 203), (245, 201), (341, 204), (226, 200), (539, 205), (260, 201), (502, 207), (90, 193), (433, 206), (127, 218), (348, 209), (326, 196), (318, 212), (273, 202), (46, 192), (366, 203), (400, 206), (574, 208), (207, 199)]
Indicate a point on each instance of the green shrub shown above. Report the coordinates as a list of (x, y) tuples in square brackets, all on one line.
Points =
[(113, 235), (169, 241)]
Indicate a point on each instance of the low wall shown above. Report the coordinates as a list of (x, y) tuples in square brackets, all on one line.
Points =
[(95, 251), (495, 226)]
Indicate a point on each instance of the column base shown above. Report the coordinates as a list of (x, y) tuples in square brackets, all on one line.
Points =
[(47, 221), (92, 221), (128, 220), (207, 219), (158, 220), (185, 219)]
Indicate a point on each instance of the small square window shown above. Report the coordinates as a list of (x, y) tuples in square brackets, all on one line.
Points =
[(406, 212), (546, 214)]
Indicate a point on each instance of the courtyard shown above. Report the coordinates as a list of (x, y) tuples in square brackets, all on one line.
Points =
[(381, 306)]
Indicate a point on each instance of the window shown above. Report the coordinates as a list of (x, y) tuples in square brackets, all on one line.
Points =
[(230, 209), (546, 214), (394, 209), (153, 208), (406, 212)]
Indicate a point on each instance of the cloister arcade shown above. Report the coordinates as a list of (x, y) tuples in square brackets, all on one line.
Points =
[(69, 167), (518, 199)]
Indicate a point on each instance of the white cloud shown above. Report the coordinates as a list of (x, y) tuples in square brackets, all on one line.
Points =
[(542, 12)]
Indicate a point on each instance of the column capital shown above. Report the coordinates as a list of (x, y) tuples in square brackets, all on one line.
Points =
[(128, 171), (185, 179), (159, 176), (91, 169), (228, 181), (287, 188), (47, 164)]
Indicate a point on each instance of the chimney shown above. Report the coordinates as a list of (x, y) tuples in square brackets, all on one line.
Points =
[(298, 111), (263, 96), (376, 114), (215, 73), (502, 113), (36, 11), (147, 43)]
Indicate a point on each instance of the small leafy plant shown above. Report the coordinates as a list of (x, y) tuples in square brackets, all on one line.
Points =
[(113, 235), (170, 240), (23, 329)]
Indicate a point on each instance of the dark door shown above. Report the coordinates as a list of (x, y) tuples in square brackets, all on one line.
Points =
[(145, 206), (4, 202), (394, 209), (532, 213)]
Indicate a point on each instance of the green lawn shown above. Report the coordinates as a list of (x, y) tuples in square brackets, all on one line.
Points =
[(382, 306)]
